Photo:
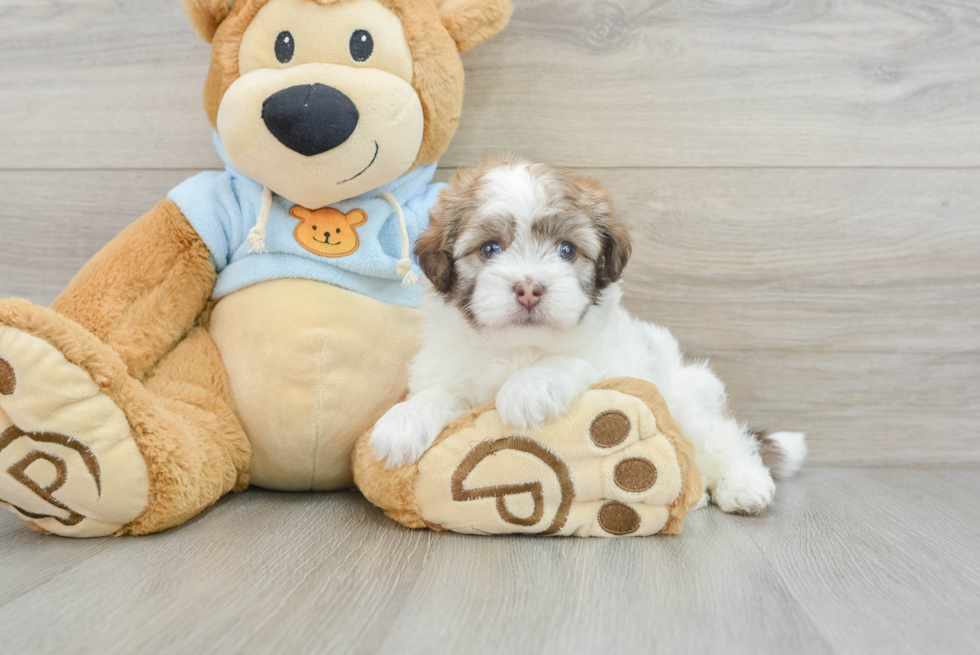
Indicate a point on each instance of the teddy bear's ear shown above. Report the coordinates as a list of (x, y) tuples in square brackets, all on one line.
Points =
[(471, 22), (356, 217), (206, 15), (300, 213)]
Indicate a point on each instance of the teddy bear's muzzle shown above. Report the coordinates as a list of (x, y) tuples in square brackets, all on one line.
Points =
[(310, 118)]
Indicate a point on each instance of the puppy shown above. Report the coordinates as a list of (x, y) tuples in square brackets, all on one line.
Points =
[(524, 308)]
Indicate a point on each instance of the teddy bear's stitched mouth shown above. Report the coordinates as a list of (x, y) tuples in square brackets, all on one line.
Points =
[(326, 240), (376, 149)]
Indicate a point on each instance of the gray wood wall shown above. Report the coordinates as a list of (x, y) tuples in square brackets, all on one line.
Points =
[(802, 177)]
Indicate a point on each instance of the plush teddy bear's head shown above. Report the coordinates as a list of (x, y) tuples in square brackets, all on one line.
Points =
[(328, 232), (322, 100)]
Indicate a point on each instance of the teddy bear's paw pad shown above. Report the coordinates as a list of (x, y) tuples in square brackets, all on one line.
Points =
[(8, 379), (68, 462), (603, 469)]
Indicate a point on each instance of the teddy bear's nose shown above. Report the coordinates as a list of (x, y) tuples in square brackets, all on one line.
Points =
[(310, 118)]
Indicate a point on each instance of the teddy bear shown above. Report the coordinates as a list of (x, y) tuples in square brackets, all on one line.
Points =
[(216, 342)]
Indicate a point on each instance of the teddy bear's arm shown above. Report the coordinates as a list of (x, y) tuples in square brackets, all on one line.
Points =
[(143, 291)]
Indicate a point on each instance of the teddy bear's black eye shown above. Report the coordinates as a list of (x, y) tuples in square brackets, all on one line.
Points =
[(567, 250), (490, 249), (285, 47), (361, 45), (338, 230)]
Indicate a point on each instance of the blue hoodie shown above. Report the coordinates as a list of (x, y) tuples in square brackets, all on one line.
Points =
[(222, 206)]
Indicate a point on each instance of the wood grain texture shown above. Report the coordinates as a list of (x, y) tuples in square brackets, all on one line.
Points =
[(847, 561), (52, 223), (837, 302), (903, 542), (106, 84)]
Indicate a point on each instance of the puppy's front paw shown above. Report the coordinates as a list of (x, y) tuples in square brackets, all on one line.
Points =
[(522, 404), (403, 434), (744, 490)]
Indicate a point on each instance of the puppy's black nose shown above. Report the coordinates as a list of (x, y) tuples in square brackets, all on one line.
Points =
[(310, 119)]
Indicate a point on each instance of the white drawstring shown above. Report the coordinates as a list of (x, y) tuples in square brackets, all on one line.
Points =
[(404, 267), (256, 236)]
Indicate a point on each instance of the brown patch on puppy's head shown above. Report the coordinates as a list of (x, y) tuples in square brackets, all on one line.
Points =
[(458, 201)]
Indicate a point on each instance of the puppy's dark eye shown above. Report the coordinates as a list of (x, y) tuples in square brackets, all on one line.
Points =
[(490, 249), (567, 250), (361, 45), (285, 47)]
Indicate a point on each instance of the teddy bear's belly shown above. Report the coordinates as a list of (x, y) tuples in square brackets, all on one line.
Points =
[(311, 367)]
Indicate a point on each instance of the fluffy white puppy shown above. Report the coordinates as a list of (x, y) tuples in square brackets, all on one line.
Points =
[(525, 307)]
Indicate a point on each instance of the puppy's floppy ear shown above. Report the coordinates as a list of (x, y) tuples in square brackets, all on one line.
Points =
[(471, 22), (206, 15), (435, 260), (616, 250), (616, 244)]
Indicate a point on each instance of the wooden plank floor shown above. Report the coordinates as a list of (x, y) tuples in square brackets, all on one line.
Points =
[(848, 560)]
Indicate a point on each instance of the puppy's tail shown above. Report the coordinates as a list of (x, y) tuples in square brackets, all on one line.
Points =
[(782, 452)]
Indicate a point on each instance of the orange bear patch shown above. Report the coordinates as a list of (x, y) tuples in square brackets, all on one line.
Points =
[(328, 232)]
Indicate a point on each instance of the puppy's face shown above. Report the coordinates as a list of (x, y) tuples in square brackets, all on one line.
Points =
[(523, 246)]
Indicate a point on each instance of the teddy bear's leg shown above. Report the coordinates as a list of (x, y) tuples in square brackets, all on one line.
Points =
[(86, 450), (203, 452), (144, 290)]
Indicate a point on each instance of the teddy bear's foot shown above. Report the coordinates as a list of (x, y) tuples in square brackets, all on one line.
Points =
[(68, 462), (603, 470), (614, 465)]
